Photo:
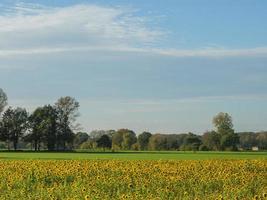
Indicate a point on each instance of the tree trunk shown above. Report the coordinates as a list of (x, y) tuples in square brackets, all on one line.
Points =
[(35, 145), (15, 145), (8, 145)]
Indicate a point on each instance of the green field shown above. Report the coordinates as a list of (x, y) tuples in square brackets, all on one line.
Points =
[(133, 155)]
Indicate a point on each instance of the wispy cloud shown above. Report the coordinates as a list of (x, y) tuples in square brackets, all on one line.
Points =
[(261, 51), (29, 29), (33, 26)]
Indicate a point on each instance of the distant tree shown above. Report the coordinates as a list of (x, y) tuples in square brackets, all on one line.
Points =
[(104, 142), (157, 142), (212, 140), (261, 140), (230, 141), (129, 138), (135, 147), (96, 134), (110, 133), (117, 140), (123, 139), (3, 100), (247, 140), (89, 144), (67, 110), (80, 138), (174, 141), (14, 125), (224, 125), (192, 142), (143, 140)]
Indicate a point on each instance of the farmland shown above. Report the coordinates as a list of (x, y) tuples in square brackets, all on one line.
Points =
[(121, 179), (132, 175)]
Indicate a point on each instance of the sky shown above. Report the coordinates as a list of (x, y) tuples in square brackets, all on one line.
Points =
[(165, 66)]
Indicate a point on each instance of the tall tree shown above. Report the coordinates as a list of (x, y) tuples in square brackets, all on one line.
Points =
[(67, 109), (14, 125), (224, 125), (143, 140), (43, 127), (36, 120), (3, 100)]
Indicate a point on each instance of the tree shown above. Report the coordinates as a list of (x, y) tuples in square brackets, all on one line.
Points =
[(104, 142), (230, 141), (224, 124), (80, 138), (261, 139), (43, 124), (123, 139), (247, 140), (96, 134), (117, 140), (157, 142), (3, 100), (192, 142), (129, 138), (143, 140), (36, 124), (212, 140), (14, 125), (67, 109)]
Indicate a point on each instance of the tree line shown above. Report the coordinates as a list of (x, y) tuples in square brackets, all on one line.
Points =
[(53, 127)]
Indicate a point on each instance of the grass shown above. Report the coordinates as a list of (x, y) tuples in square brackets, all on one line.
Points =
[(164, 155)]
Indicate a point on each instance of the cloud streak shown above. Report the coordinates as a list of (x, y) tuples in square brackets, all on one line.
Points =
[(261, 51), (29, 29)]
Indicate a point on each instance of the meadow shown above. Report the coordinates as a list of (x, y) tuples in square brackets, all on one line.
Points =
[(132, 175), (132, 155)]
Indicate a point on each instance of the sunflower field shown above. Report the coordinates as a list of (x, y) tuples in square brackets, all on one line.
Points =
[(117, 179)]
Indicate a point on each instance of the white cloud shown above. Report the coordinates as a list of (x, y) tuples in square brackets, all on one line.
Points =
[(29, 26), (215, 53), (29, 29)]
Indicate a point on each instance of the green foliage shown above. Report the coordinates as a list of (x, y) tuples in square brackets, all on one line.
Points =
[(80, 138), (228, 139), (88, 145), (261, 139), (224, 124), (212, 140), (43, 127), (123, 139), (192, 142), (104, 142), (14, 125), (143, 140)]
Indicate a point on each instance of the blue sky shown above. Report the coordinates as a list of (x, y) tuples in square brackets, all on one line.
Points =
[(163, 66)]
